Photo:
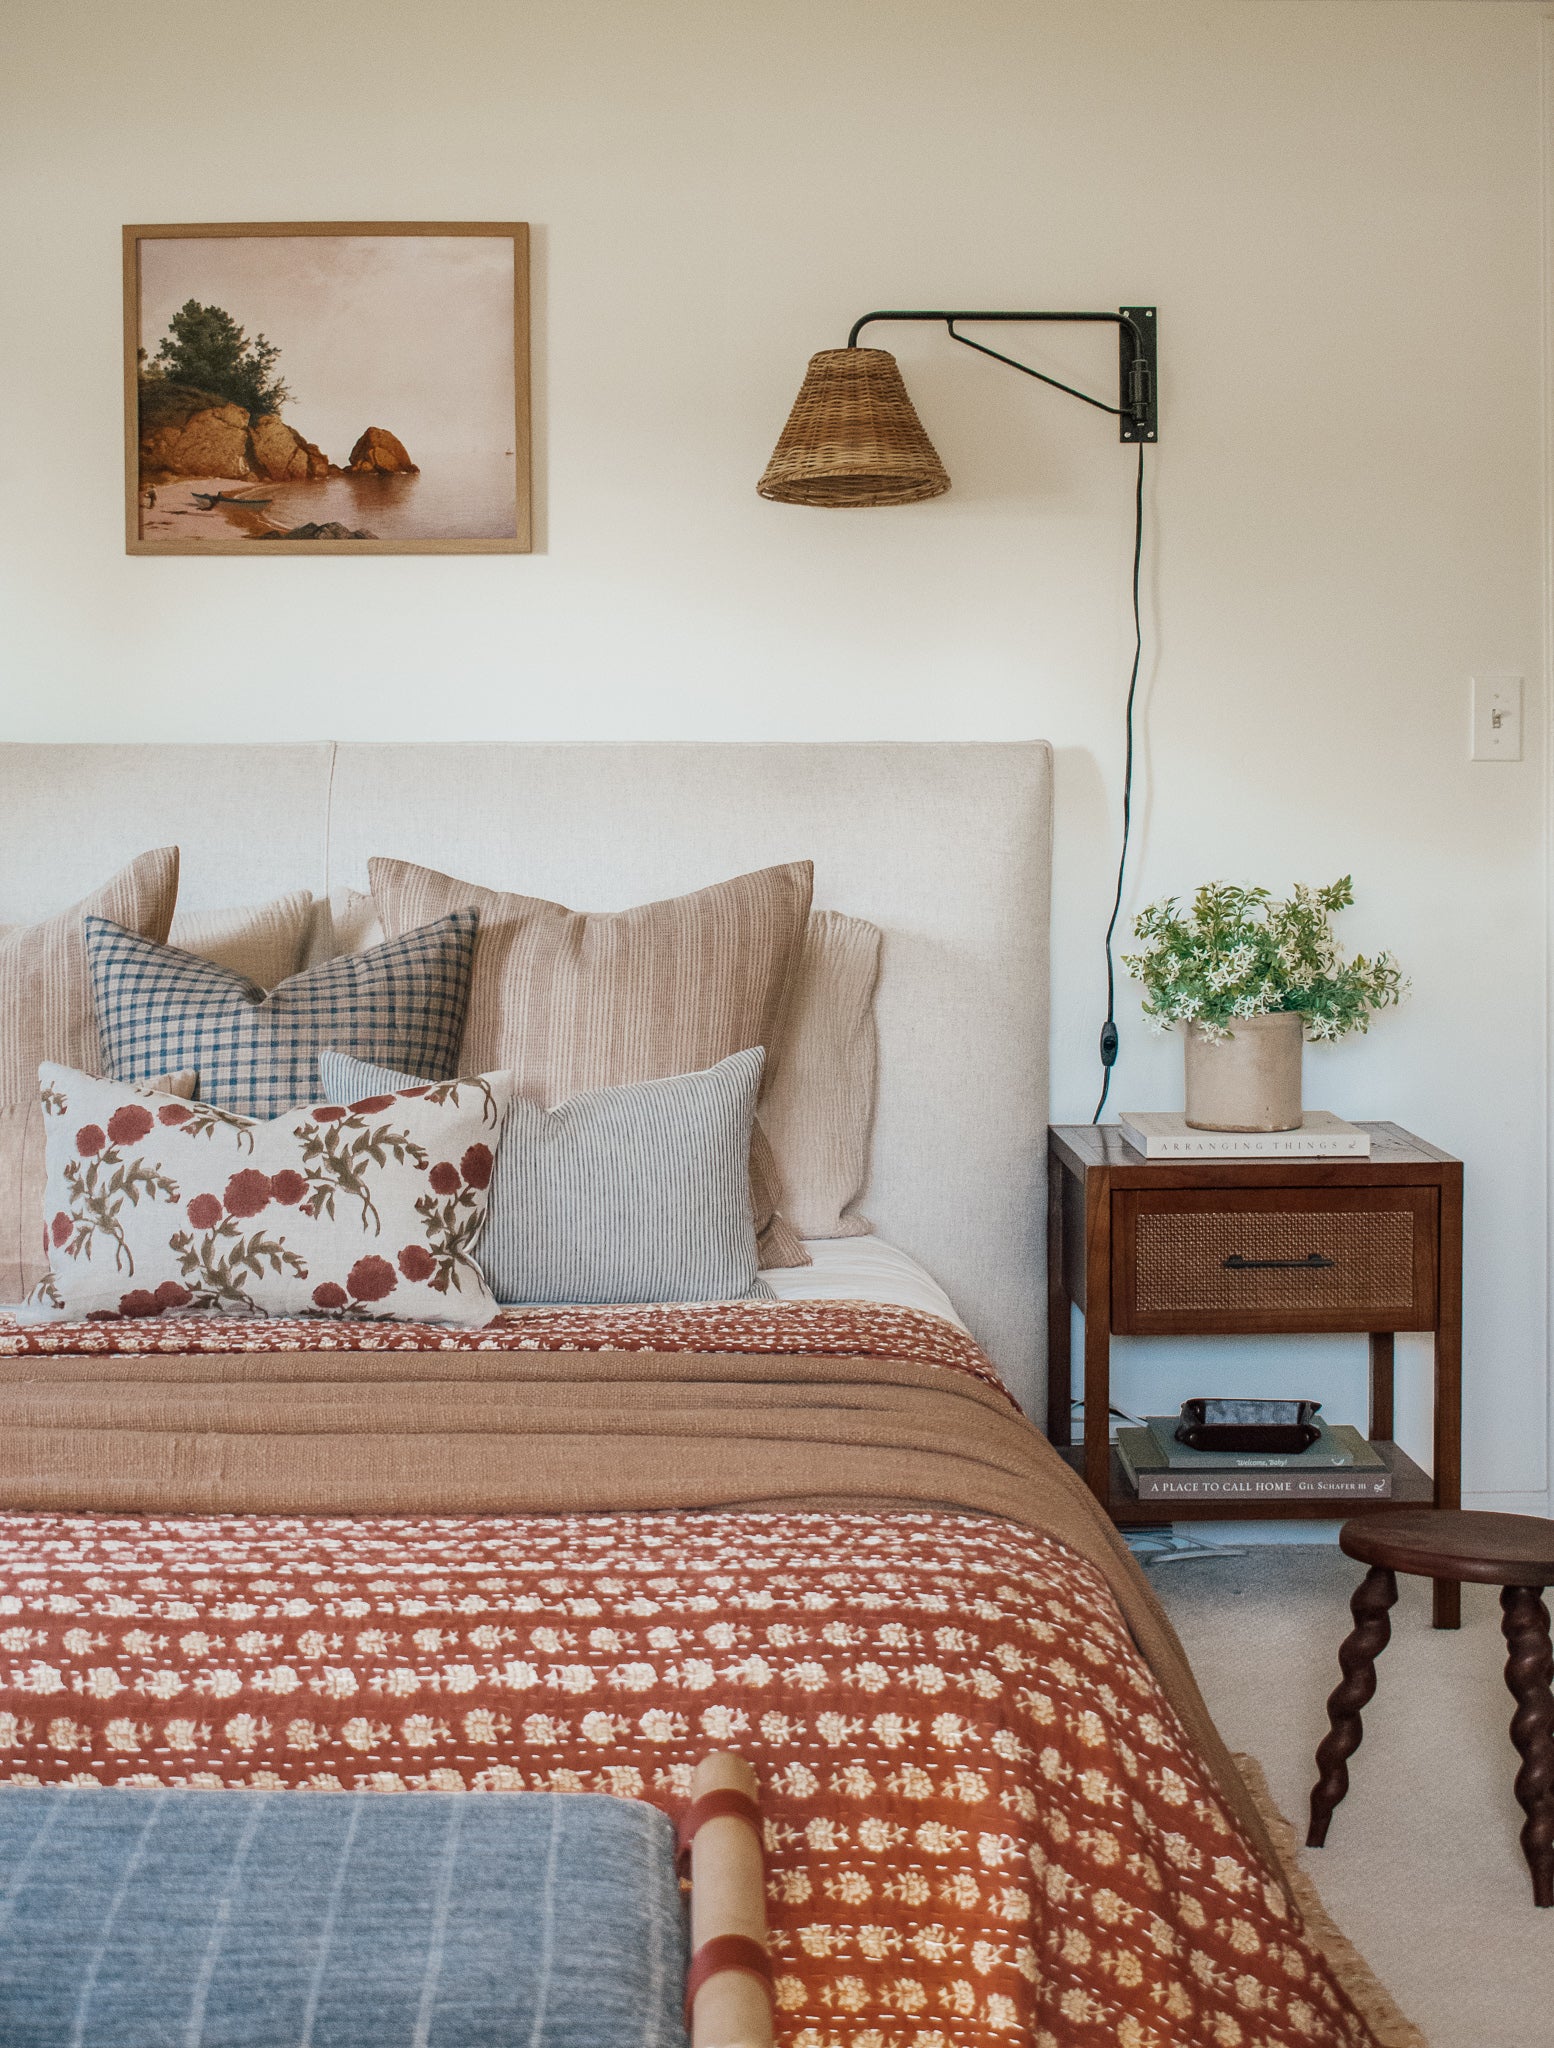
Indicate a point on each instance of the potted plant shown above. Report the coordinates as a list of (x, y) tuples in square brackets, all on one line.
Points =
[(1250, 978)]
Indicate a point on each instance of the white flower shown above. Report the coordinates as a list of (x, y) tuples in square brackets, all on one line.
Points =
[(722, 1724)]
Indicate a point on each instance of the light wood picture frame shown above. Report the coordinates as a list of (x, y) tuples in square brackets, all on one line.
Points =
[(327, 388)]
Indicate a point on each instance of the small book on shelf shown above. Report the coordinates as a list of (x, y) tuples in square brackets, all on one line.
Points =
[(1166, 1134), (1338, 1448), (1222, 1475)]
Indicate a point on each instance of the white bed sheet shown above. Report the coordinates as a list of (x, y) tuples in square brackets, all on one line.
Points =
[(861, 1269), (844, 1269)]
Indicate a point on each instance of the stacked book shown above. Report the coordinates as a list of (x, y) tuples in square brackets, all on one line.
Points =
[(1166, 1134), (1339, 1466)]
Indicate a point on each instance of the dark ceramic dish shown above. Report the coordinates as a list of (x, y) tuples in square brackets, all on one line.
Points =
[(1267, 1426)]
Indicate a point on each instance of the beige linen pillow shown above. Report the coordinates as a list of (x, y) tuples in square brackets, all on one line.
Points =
[(264, 942), (344, 921), (46, 1014), (818, 1109), (575, 1000)]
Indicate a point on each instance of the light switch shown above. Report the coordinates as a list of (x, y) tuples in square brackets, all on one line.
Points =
[(1497, 718)]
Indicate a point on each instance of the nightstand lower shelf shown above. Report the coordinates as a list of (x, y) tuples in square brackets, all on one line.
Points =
[(1412, 1487)]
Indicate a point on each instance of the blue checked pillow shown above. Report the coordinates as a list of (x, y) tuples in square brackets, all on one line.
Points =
[(401, 1004)]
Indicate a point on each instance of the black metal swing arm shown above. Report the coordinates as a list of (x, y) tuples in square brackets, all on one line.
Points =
[(1137, 408)]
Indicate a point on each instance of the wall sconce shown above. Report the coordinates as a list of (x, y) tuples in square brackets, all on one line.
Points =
[(854, 438)]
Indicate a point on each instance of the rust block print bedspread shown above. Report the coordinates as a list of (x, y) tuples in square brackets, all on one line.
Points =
[(985, 1822)]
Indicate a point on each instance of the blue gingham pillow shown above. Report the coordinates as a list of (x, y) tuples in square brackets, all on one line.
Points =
[(401, 1004)]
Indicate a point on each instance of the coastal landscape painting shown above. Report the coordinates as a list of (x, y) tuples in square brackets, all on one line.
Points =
[(331, 388)]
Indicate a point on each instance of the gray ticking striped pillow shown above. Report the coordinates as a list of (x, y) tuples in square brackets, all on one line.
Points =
[(630, 1194), (256, 1053)]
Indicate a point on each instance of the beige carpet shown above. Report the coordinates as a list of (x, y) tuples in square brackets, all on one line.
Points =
[(1422, 1870)]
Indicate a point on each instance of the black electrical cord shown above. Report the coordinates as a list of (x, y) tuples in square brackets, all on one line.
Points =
[(1109, 1041), (1109, 1028)]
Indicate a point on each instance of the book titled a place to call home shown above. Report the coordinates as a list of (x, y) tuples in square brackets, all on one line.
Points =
[(1152, 1476)]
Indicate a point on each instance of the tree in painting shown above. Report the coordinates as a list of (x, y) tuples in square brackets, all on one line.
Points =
[(204, 347)]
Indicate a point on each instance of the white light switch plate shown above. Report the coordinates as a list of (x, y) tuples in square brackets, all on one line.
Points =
[(1497, 718)]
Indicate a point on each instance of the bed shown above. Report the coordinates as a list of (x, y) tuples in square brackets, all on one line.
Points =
[(576, 1550)]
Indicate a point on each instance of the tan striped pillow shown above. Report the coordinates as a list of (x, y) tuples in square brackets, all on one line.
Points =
[(818, 1108), (573, 1000), (264, 942), (46, 1013)]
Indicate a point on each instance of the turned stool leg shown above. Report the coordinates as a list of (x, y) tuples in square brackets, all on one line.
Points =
[(1529, 1667), (1372, 1631)]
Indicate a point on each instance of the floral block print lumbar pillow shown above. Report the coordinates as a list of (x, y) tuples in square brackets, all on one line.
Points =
[(367, 1208)]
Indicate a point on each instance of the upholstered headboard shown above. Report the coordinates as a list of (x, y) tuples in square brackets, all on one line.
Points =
[(946, 846)]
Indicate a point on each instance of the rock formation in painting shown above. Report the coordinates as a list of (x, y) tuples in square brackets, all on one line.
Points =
[(331, 529), (188, 432), (378, 452), (210, 405), (280, 454), (184, 432)]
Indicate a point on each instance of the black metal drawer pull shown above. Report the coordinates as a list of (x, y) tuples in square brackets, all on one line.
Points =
[(1310, 1263)]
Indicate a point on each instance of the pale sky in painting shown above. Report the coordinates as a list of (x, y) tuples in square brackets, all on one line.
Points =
[(409, 332)]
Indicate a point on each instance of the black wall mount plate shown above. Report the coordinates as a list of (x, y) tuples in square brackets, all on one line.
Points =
[(1144, 318)]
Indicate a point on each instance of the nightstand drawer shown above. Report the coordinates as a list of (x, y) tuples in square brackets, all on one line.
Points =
[(1243, 1259)]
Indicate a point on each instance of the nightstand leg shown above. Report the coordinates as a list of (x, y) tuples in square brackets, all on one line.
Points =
[(1060, 1350), (1446, 1604), (1098, 1403), (1382, 1350), (1098, 1341)]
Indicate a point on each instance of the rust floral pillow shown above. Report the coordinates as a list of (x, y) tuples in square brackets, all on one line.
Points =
[(356, 1209)]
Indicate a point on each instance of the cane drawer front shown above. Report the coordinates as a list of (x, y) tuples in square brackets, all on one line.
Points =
[(1222, 1259)]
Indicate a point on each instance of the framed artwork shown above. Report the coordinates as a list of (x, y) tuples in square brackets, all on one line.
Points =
[(347, 388)]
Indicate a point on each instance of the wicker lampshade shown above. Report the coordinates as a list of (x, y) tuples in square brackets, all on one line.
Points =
[(853, 437)]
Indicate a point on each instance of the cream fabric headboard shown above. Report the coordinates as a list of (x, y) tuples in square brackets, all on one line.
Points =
[(945, 846)]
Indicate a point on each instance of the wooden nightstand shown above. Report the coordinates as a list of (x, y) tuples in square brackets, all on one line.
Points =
[(1207, 1247)]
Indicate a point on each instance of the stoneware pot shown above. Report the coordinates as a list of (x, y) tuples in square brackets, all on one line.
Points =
[(1249, 1081)]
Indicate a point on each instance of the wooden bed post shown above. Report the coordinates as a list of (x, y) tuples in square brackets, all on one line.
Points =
[(728, 1999)]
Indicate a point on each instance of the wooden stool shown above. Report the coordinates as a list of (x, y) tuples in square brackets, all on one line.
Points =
[(1514, 1552)]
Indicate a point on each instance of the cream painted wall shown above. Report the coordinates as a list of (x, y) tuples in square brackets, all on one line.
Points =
[(1337, 208)]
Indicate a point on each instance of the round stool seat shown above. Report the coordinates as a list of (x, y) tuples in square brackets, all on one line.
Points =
[(1456, 1543)]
